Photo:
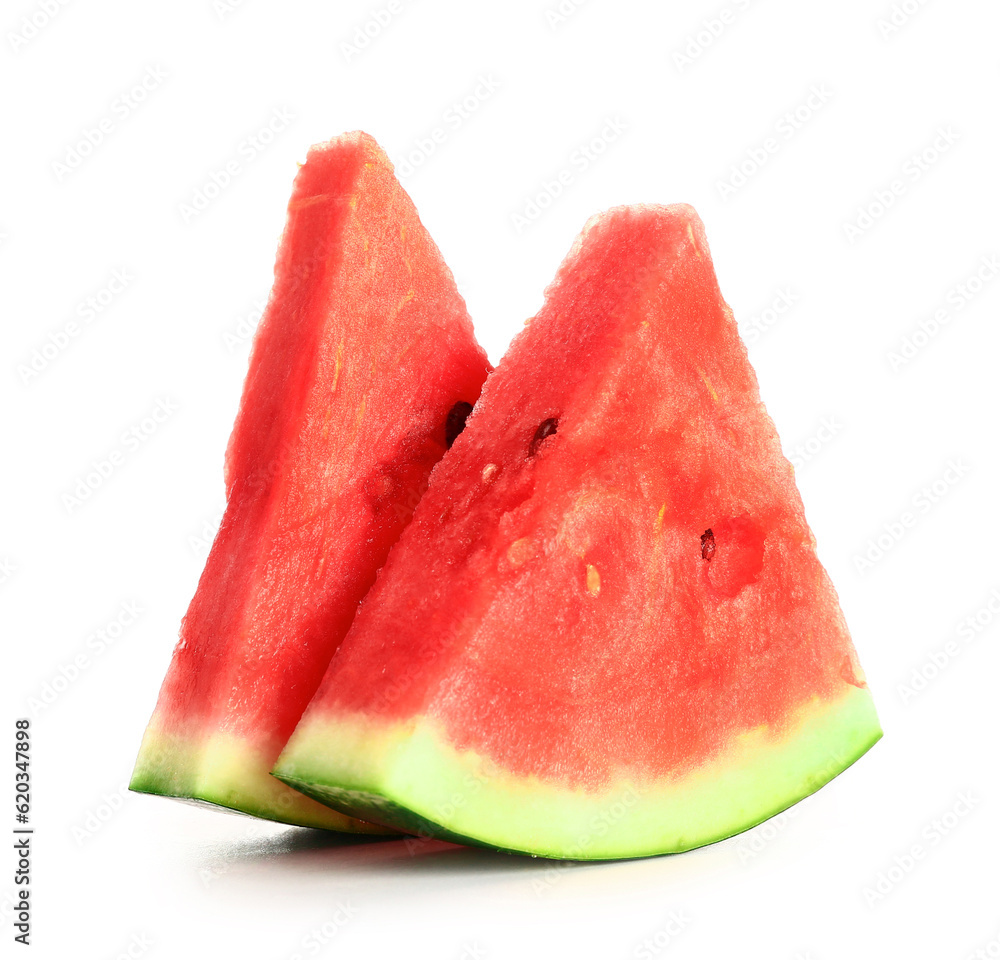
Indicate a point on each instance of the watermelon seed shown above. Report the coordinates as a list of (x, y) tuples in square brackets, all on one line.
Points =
[(593, 580), (707, 544), (455, 423), (545, 429), (520, 552)]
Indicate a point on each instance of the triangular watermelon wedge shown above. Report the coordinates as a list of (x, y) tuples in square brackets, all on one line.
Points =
[(363, 370), (606, 632)]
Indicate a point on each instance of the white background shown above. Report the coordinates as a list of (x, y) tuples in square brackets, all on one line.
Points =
[(115, 871)]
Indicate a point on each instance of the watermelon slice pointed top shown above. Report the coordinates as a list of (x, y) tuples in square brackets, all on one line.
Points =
[(606, 632), (362, 370)]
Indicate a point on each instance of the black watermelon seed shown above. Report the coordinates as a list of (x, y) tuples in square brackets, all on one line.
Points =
[(545, 429), (707, 544), (455, 423)]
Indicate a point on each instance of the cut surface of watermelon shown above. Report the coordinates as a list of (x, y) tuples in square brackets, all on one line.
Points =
[(606, 632), (363, 364)]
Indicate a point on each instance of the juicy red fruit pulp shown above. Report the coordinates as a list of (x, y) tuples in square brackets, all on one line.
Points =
[(611, 573), (363, 355)]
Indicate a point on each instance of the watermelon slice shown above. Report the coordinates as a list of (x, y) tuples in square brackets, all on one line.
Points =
[(362, 371), (606, 632)]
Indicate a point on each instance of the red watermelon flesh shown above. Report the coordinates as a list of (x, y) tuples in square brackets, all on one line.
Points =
[(364, 362), (606, 632)]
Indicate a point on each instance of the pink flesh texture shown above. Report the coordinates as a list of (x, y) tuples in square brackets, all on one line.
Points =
[(487, 617), (363, 350)]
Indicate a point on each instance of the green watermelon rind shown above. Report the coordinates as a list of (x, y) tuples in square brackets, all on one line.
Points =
[(406, 775), (220, 772)]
